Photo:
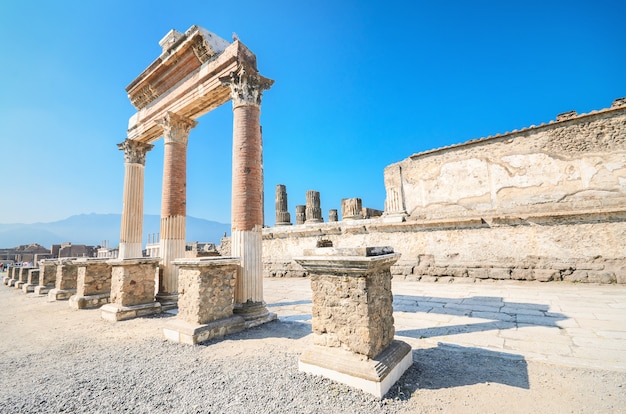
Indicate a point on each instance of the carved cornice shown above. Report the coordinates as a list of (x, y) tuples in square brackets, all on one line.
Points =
[(134, 151), (176, 128), (246, 86), (143, 97)]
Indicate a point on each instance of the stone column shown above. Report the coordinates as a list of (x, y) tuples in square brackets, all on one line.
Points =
[(300, 214), (352, 318), (174, 202), (332, 215), (395, 207), (132, 209), (313, 210), (351, 209), (283, 218), (246, 87)]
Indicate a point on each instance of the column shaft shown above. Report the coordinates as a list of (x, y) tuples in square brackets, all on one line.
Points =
[(174, 200), (132, 210)]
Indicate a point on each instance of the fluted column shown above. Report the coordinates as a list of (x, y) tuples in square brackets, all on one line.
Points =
[(247, 87), (132, 209), (283, 218), (313, 210), (174, 200)]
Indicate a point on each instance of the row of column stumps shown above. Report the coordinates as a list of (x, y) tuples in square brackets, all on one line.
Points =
[(351, 209)]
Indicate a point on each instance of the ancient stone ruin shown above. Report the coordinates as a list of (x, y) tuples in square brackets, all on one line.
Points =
[(542, 203)]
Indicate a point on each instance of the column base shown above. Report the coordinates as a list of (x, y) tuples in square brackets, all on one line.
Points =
[(168, 301), (18, 284), (5, 280), (60, 294), (28, 288), (42, 290), (192, 334), (394, 218), (11, 282), (254, 313), (374, 376), (90, 301), (113, 312)]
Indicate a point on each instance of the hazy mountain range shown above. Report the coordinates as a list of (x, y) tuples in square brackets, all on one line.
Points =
[(93, 229)]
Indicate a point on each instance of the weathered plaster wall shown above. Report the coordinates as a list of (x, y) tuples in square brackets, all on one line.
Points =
[(545, 203)]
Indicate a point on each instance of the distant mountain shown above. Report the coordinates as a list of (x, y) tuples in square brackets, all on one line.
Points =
[(93, 229)]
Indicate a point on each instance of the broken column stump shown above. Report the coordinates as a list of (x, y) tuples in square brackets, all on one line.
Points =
[(206, 289), (93, 284), (65, 284), (352, 318), (132, 289)]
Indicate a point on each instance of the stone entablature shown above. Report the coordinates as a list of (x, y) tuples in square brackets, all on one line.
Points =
[(578, 162)]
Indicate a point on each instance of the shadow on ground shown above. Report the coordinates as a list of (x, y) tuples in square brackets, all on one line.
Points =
[(450, 366)]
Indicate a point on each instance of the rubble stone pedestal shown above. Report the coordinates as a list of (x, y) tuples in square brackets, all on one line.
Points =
[(93, 284), (132, 289), (352, 318), (32, 280), (47, 276), (22, 278), (205, 300), (65, 285)]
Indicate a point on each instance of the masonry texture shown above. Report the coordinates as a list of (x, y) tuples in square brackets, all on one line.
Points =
[(206, 293), (132, 285), (93, 279), (544, 203), (354, 313)]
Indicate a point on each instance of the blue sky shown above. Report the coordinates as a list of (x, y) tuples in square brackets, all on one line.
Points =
[(358, 85)]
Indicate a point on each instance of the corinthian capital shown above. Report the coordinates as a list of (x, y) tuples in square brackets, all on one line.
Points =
[(135, 151), (246, 86), (176, 128)]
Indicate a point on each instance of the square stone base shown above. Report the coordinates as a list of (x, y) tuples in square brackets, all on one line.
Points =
[(60, 294), (89, 302), (192, 334), (18, 284), (374, 376), (6, 279), (28, 288), (113, 312), (11, 282), (42, 290)]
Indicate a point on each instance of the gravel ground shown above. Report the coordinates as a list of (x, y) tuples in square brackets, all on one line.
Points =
[(57, 360)]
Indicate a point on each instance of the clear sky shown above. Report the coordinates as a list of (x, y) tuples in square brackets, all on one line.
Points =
[(359, 85)]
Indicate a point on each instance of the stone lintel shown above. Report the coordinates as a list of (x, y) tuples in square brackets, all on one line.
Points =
[(89, 301), (372, 375), (60, 294), (192, 334), (113, 312)]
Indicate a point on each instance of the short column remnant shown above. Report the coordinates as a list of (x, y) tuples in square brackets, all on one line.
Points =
[(32, 280), (313, 210), (93, 284), (65, 284), (351, 209), (47, 276), (206, 288), (352, 318), (333, 215), (132, 289), (300, 214), (283, 218)]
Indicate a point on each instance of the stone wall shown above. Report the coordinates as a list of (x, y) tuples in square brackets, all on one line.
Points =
[(544, 203)]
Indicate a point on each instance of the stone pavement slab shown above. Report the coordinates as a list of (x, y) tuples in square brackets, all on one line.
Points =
[(582, 325)]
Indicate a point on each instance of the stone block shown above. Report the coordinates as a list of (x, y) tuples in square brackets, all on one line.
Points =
[(522, 274), (500, 273), (601, 277), (478, 273), (114, 312), (89, 302), (546, 275), (192, 334)]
